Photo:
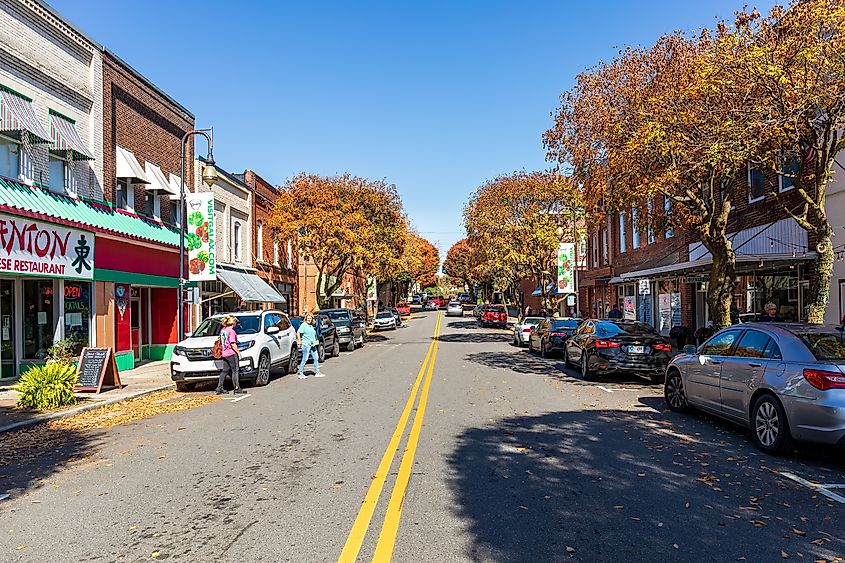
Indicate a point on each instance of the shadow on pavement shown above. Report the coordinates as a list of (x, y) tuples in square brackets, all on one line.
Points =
[(474, 337), (463, 325), (613, 485), (377, 337)]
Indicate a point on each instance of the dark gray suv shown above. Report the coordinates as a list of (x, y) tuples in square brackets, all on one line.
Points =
[(351, 326)]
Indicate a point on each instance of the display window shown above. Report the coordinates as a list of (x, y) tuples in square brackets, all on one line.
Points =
[(77, 313)]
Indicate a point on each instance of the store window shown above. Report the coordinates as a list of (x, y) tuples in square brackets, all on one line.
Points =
[(668, 307), (645, 302), (9, 157), (77, 313), (38, 321), (628, 301), (57, 172)]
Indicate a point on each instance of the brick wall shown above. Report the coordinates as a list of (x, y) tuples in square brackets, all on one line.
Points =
[(142, 119), (45, 59)]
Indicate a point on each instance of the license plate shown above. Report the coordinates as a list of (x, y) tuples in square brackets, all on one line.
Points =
[(636, 349)]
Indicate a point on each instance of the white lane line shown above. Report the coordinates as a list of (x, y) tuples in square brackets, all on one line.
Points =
[(605, 389), (241, 398), (823, 489)]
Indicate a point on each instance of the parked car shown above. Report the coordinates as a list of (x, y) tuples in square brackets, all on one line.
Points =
[(329, 342), (396, 315), (783, 381), (385, 320), (549, 336), (454, 309), (602, 346), (522, 330), (494, 315), (434, 303), (351, 326), (416, 299), (404, 309), (266, 340)]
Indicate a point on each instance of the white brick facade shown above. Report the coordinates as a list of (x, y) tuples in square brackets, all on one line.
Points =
[(60, 69)]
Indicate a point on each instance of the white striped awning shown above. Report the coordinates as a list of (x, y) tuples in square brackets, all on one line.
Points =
[(17, 114), (66, 137)]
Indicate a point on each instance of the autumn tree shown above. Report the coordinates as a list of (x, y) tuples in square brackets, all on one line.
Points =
[(794, 65), (513, 223), (419, 262), (342, 223), (458, 264)]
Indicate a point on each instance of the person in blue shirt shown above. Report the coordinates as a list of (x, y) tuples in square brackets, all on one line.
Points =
[(309, 344)]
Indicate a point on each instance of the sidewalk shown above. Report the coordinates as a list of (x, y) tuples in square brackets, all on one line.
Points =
[(151, 377)]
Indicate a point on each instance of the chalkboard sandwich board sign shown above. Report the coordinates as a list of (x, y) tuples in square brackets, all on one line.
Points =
[(96, 369)]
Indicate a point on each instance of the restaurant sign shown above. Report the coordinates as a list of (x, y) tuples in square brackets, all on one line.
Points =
[(200, 238), (37, 248)]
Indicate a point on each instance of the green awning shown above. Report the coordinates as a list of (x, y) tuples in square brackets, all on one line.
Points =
[(40, 203)]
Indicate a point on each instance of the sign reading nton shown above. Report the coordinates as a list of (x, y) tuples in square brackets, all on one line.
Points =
[(200, 239), (28, 246)]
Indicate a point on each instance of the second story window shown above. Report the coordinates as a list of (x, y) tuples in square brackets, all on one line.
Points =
[(788, 175), (290, 255), (57, 174), (623, 237), (650, 234), (595, 250), (236, 240), (604, 254), (259, 241), (756, 184), (125, 195), (276, 252), (9, 157), (635, 229), (667, 211)]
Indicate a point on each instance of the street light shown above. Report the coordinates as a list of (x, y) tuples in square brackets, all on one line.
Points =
[(209, 177)]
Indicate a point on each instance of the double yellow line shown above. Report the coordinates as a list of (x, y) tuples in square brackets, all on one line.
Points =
[(390, 527)]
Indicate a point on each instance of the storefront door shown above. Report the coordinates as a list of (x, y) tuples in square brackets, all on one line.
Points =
[(8, 367), (135, 323)]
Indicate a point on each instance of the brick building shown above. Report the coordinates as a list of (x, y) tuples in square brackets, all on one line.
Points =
[(351, 294), (274, 259), (660, 276)]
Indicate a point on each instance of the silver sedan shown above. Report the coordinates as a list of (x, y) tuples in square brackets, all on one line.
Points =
[(783, 381), (455, 308)]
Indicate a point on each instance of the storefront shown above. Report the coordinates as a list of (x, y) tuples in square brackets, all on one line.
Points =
[(237, 289)]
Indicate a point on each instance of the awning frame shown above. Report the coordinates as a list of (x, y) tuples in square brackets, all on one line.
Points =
[(158, 183), (66, 138), (128, 167)]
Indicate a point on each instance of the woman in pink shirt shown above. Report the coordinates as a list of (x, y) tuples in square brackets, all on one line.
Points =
[(229, 355)]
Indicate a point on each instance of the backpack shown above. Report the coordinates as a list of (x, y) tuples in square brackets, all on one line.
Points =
[(217, 349)]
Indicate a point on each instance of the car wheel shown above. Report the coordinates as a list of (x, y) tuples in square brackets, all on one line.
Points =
[(674, 393), (769, 427), (336, 348), (363, 339), (184, 387), (292, 360), (586, 373), (262, 376), (530, 344), (351, 346), (321, 353)]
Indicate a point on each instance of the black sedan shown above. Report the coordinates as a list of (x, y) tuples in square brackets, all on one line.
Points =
[(603, 346), (549, 336), (326, 333)]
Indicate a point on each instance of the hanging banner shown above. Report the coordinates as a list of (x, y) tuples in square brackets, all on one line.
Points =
[(372, 293), (37, 248), (200, 237), (565, 268)]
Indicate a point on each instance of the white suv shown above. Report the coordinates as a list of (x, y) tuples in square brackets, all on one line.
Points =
[(266, 340)]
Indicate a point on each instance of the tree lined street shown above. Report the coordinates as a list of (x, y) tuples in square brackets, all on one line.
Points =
[(518, 459)]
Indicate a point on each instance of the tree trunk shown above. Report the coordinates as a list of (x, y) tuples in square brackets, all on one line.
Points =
[(818, 293), (721, 287)]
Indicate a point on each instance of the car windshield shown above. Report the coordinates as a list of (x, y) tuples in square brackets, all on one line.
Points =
[(496, 309), (247, 324), (824, 345), (567, 323), (337, 315), (532, 321), (384, 315), (622, 327), (454, 304)]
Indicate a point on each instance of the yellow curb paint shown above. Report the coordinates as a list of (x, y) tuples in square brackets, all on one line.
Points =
[(365, 514), (390, 528)]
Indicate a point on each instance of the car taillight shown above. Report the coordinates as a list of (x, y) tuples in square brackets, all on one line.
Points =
[(606, 344), (526, 330), (663, 347), (824, 380), (563, 334)]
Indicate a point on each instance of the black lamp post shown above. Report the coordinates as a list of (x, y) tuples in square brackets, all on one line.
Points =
[(209, 176)]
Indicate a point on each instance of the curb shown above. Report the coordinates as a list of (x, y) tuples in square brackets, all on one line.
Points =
[(81, 408)]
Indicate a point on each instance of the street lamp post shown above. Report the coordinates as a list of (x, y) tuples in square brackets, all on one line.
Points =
[(209, 176)]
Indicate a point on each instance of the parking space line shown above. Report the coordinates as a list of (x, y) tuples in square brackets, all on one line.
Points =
[(241, 398), (818, 487), (605, 389)]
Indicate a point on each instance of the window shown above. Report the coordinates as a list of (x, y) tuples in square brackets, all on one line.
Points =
[(772, 351), (667, 211), (270, 319), (756, 184), (721, 344), (635, 229), (290, 255), (604, 256), (9, 157), (57, 174), (276, 252), (125, 195), (623, 242), (38, 324), (77, 306), (156, 205), (236, 240), (786, 180), (752, 345), (176, 212), (650, 234), (595, 250), (259, 241)]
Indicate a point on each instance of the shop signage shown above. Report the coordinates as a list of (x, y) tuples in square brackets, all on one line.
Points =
[(121, 298), (30, 247), (372, 293), (630, 312), (565, 263), (200, 237), (645, 287), (96, 369)]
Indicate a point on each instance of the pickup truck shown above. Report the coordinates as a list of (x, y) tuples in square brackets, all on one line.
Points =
[(494, 315)]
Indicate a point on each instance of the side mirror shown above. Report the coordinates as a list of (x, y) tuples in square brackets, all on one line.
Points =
[(690, 349), (272, 330)]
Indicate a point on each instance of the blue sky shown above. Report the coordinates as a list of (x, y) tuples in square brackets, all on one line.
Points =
[(435, 97)]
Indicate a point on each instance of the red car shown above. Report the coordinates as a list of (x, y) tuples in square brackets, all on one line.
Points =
[(495, 315), (404, 309)]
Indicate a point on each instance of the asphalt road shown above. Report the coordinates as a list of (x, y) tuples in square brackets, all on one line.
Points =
[(516, 460)]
